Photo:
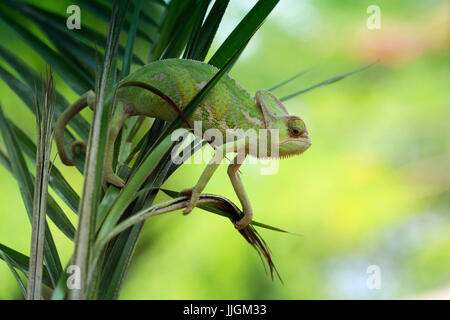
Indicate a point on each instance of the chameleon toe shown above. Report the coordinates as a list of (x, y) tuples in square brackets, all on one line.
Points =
[(114, 180)]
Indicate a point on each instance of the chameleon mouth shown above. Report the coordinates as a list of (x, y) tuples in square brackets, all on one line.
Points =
[(305, 140)]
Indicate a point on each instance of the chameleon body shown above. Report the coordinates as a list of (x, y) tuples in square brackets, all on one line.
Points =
[(226, 106)]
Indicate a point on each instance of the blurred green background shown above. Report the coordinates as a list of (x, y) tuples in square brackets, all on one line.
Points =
[(372, 190)]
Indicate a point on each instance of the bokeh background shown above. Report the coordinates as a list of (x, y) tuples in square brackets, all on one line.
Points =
[(374, 188)]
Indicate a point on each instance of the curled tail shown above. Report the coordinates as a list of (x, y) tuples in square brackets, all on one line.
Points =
[(62, 121)]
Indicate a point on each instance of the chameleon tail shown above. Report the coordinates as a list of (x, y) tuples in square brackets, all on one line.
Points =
[(62, 121)]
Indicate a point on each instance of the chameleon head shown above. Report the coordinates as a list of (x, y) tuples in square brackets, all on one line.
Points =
[(293, 137)]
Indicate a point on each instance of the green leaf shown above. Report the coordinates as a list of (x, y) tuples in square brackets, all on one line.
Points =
[(130, 40), (133, 184), (119, 261), (122, 247), (75, 50), (32, 79), (9, 262), (26, 187), (170, 24), (4, 160), (60, 291), (288, 80), (181, 32), (244, 31), (197, 19), (56, 22), (62, 38), (209, 30), (57, 181), (59, 218), (26, 94), (55, 213), (143, 16), (326, 82), (77, 80), (103, 11), (21, 262)]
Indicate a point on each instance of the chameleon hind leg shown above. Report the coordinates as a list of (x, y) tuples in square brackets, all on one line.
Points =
[(194, 193), (88, 100), (117, 121)]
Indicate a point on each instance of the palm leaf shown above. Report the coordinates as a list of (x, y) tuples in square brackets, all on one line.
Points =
[(77, 80), (208, 30), (283, 83), (244, 31), (55, 213), (32, 80), (21, 262), (103, 11), (57, 23), (26, 187), (326, 82), (9, 262), (170, 23), (57, 181)]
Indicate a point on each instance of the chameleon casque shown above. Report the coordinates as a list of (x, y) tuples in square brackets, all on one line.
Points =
[(226, 106)]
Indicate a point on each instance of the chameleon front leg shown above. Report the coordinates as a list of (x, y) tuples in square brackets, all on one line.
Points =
[(237, 146), (240, 192)]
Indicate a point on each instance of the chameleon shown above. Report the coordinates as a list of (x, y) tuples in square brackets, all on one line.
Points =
[(227, 106)]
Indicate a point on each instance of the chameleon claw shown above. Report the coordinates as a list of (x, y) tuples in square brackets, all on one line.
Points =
[(186, 192), (241, 224), (244, 221), (112, 178), (189, 207), (193, 199)]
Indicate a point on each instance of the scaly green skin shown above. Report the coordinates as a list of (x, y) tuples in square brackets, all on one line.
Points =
[(227, 106)]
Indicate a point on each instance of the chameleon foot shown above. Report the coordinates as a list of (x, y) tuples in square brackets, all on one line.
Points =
[(193, 199), (186, 192), (243, 222), (112, 178)]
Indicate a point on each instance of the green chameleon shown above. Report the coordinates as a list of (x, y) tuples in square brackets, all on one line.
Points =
[(227, 106)]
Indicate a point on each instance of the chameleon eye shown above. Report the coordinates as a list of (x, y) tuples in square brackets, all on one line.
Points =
[(294, 132)]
